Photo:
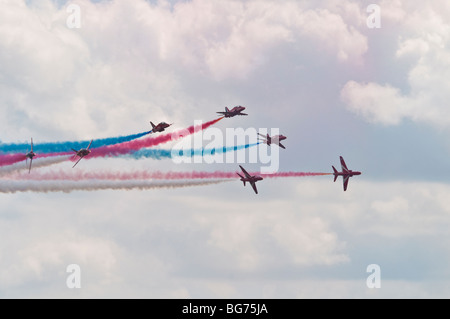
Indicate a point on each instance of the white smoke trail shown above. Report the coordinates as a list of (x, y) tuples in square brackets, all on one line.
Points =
[(9, 186), (38, 162)]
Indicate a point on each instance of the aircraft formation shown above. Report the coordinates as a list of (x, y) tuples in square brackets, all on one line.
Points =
[(130, 144), (267, 139)]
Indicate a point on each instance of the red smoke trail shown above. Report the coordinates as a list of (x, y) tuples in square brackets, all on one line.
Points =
[(144, 175), (127, 147), (40, 162), (9, 159), (218, 174), (92, 185), (45, 155), (290, 174), (118, 149)]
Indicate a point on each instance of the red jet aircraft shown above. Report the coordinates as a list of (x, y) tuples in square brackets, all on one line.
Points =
[(160, 127), (233, 112), (30, 155), (249, 178), (82, 153), (273, 139), (346, 173)]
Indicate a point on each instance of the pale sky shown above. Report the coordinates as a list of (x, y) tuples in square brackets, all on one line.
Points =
[(314, 70)]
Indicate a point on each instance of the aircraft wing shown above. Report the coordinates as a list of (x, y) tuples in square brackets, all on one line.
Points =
[(81, 157), (281, 145), (254, 187), (343, 165), (245, 172), (346, 178), (89, 144)]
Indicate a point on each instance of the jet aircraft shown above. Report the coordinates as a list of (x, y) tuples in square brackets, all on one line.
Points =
[(273, 139), (249, 178), (237, 110), (160, 127), (346, 173), (82, 153), (30, 155)]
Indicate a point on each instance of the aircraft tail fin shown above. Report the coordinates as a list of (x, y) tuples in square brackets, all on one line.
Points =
[(335, 173), (227, 109), (242, 177), (153, 125)]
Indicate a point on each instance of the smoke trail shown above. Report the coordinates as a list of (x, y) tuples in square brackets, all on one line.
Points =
[(290, 174), (142, 153), (91, 185), (129, 147), (9, 159), (12, 159), (37, 162), (56, 147), (164, 153), (150, 153), (109, 150), (80, 175)]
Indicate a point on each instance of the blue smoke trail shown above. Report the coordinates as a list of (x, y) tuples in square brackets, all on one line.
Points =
[(57, 147), (162, 153)]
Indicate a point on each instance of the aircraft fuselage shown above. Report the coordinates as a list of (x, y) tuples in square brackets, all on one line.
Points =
[(160, 127), (30, 155), (83, 152), (349, 173), (237, 110), (252, 179)]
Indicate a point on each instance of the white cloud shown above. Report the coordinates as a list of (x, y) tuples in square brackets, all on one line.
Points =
[(397, 205), (130, 59), (393, 10), (333, 33), (305, 241), (417, 47), (423, 33), (132, 62), (309, 241), (377, 103), (230, 39), (196, 247), (46, 260)]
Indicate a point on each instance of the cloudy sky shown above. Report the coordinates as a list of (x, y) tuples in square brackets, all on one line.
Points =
[(314, 70)]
